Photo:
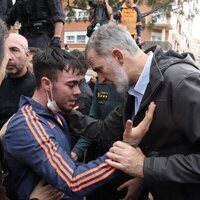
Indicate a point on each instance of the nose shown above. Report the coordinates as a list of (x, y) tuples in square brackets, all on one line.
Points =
[(101, 79), (9, 55), (77, 91)]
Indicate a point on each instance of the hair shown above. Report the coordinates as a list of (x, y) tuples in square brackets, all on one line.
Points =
[(80, 55), (34, 50), (3, 35), (110, 36), (49, 62)]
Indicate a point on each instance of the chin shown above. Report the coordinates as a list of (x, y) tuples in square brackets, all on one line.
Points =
[(67, 108)]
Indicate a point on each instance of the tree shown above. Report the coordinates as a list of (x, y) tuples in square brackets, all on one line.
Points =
[(163, 6)]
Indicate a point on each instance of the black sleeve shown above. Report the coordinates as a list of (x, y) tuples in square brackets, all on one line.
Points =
[(11, 16), (108, 130), (57, 11)]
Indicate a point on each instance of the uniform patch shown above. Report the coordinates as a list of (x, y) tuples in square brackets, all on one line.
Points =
[(102, 96)]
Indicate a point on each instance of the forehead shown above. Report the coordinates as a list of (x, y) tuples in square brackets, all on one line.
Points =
[(94, 60), (68, 76), (15, 42)]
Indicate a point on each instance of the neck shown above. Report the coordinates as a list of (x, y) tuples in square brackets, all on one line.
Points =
[(135, 71), (40, 97)]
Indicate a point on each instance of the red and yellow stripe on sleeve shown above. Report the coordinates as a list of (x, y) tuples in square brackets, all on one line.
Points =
[(56, 160)]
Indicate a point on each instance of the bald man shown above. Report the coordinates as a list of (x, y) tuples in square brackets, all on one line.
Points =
[(18, 80)]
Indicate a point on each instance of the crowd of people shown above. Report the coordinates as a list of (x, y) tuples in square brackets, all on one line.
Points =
[(128, 133)]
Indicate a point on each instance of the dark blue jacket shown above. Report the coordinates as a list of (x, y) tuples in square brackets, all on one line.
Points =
[(37, 145)]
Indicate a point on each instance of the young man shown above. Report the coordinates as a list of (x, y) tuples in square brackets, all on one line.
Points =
[(37, 140), (169, 164), (41, 191)]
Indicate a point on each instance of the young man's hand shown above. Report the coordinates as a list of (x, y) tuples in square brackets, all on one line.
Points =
[(44, 192)]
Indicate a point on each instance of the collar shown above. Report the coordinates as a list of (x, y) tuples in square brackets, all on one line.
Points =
[(143, 80), (39, 108), (19, 78)]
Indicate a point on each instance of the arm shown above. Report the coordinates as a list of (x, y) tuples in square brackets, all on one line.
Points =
[(178, 167), (12, 14), (58, 19), (139, 25), (120, 153), (58, 29), (99, 131), (50, 161), (79, 148), (109, 10), (186, 109), (91, 10)]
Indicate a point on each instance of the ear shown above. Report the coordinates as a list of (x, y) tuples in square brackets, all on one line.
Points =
[(28, 54), (118, 55), (46, 84)]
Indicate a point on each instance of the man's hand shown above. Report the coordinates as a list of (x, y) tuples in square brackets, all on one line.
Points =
[(44, 192), (134, 188), (133, 136), (55, 42), (126, 158)]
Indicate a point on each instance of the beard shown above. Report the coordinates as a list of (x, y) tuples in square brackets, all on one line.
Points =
[(121, 82), (12, 69)]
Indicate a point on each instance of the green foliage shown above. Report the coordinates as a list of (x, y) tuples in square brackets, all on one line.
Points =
[(163, 6), (81, 3)]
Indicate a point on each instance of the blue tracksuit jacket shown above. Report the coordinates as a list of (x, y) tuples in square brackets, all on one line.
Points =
[(37, 145)]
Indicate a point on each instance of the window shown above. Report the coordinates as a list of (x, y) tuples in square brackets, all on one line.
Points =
[(160, 17), (70, 39), (80, 15), (75, 37), (81, 39), (156, 36)]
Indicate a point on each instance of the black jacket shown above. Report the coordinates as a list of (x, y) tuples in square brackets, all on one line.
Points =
[(5, 5), (172, 163), (32, 11)]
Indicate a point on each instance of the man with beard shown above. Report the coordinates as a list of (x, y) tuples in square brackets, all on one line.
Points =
[(18, 80), (169, 161), (37, 140)]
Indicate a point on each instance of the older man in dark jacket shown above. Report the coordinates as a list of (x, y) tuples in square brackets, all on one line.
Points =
[(170, 162)]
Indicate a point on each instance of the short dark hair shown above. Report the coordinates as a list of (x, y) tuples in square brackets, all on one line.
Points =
[(52, 60), (3, 35), (34, 50), (80, 55)]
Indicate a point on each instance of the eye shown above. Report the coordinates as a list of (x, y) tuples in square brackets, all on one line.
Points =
[(72, 84), (14, 50)]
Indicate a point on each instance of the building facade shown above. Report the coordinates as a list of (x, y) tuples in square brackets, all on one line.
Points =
[(171, 31)]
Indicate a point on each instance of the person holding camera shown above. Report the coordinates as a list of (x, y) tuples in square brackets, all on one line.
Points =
[(100, 13)]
